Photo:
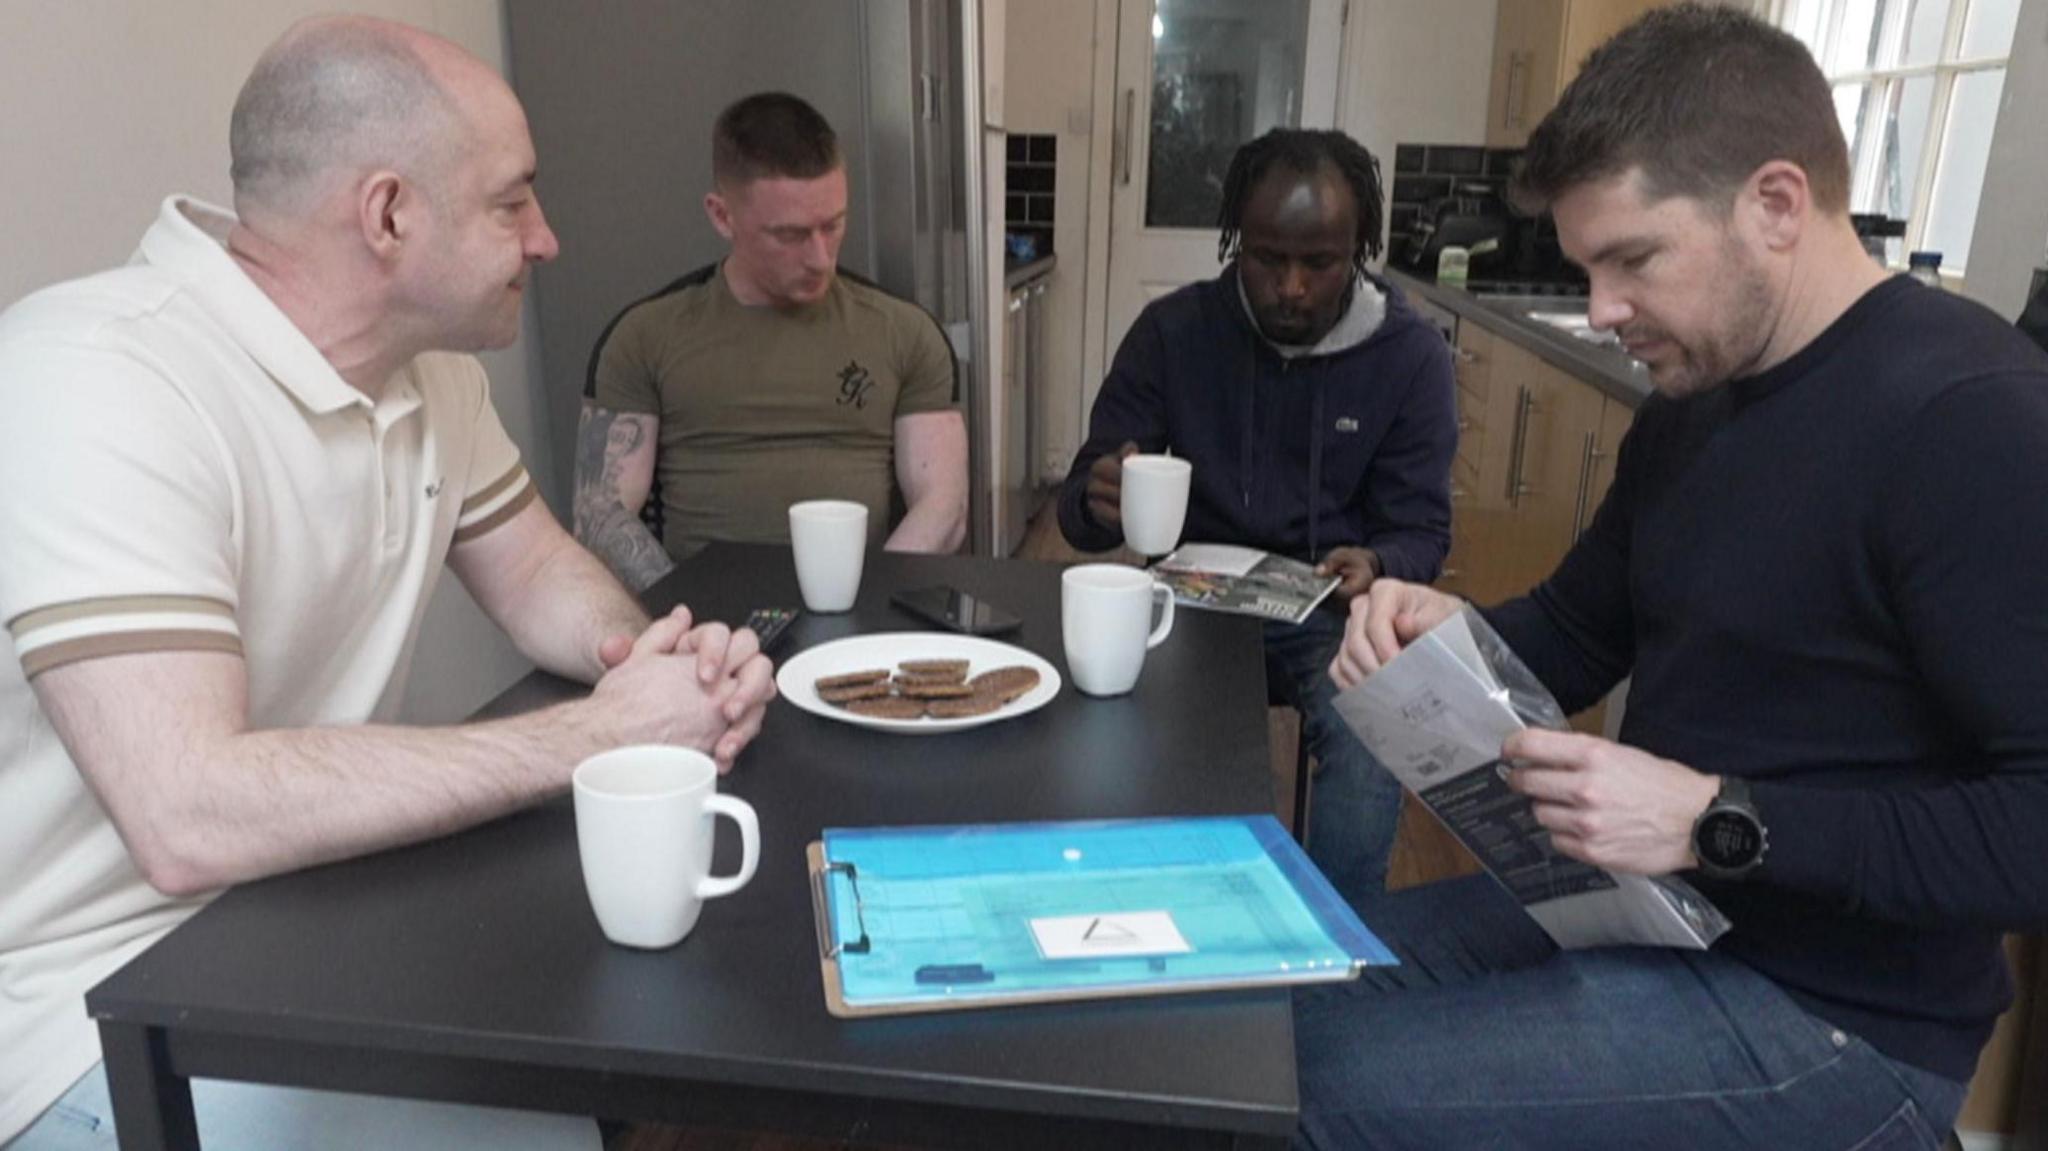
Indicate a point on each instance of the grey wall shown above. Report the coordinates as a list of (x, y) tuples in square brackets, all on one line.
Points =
[(621, 95)]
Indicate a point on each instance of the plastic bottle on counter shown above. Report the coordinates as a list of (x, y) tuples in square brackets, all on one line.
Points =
[(1451, 265), (1925, 267)]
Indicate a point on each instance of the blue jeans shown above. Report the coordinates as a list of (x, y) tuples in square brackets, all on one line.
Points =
[(1617, 1047), (1355, 803), (253, 1117)]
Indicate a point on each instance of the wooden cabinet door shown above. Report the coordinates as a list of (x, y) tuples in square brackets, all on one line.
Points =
[(1589, 24), (1615, 418), (1526, 38), (1554, 426), (1538, 46), (1474, 569)]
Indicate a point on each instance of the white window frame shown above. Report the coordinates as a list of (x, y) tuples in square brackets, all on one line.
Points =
[(1947, 67)]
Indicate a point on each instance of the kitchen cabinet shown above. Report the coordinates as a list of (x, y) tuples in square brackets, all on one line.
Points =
[(1538, 46), (1535, 457)]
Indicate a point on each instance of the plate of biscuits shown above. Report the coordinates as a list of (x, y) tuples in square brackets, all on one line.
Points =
[(917, 682)]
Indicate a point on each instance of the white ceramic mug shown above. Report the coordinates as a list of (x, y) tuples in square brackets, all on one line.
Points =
[(830, 538), (1106, 622), (643, 828), (1154, 502)]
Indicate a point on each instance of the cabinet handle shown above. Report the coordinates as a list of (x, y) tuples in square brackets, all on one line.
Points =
[(1130, 116), (1449, 574), (1585, 487), (1518, 79), (1016, 304), (1458, 494), (1464, 425), (1465, 357), (1518, 448)]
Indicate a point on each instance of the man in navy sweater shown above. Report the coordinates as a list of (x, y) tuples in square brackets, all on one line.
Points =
[(1317, 409), (1822, 562)]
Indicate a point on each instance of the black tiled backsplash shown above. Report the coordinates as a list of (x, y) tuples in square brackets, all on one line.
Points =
[(1454, 161), (1031, 162), (1420, 189), (1423, 172)]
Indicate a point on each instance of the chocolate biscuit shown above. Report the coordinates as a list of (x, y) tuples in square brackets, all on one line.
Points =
[(976, 704), (933, 689), (852, 678), (1005, 683), (952, 669), (847, 693), (888, 707)]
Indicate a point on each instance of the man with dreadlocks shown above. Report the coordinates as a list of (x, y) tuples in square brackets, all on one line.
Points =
[(1318, 412)]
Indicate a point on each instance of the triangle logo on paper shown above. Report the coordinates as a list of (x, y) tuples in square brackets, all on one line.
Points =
[(1108, 931)]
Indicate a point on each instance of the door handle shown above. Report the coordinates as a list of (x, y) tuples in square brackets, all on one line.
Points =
[(1130, 122), (1518, 80), (1585, 486), (1518, 449), (1591, 459)]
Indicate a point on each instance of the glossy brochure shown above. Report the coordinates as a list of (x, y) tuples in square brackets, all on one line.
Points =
[(1436, 716)]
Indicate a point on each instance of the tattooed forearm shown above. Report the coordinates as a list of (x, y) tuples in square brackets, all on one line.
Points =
[(626, 546), (610, 448)]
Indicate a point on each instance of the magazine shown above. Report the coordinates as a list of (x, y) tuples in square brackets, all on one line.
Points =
[(1223, 577), (1436, 716)]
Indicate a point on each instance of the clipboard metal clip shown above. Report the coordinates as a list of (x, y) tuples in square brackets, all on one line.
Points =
[(829, 943)]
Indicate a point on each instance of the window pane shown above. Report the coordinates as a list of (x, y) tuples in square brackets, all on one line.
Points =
[(1905, 139), (1966, 146), (1223, 72), (1856, 43), (1988, 29), (1926, 21), (1854, 108), (1849, 110), (1807, 20)]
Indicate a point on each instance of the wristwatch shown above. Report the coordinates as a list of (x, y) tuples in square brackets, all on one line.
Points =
[(1729, 838)]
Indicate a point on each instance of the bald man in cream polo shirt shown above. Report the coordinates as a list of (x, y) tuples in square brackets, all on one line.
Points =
[(230, 475)]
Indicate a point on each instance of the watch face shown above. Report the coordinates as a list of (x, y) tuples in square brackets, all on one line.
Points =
[(1729, 839)]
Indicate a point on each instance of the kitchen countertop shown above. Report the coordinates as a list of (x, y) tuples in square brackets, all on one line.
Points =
[(1016, 275), (1604, 366)]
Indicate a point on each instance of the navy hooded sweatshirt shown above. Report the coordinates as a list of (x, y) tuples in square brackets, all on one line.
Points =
[(1369, 428)]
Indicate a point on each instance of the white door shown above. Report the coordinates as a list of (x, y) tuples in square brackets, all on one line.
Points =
[(1194, 80)]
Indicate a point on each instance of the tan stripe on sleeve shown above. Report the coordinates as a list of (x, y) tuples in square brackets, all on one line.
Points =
[(497, 518), (492, 490), (43, 659), (42, 617)]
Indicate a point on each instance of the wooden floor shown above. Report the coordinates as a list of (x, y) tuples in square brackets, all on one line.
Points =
[(1423, 853)]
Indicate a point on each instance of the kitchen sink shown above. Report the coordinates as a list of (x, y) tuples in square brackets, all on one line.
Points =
[(1577, 326)]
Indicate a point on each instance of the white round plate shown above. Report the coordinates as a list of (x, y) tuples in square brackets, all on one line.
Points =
[(797, 680)]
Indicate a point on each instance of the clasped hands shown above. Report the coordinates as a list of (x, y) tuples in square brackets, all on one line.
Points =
[(714, 702), (1604, 803)]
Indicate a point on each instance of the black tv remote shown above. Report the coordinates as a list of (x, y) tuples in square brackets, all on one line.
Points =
[(770, 623)]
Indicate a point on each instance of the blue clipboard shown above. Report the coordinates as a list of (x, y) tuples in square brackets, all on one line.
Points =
[(914, 919)]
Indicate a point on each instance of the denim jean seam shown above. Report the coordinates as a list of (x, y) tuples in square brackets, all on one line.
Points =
[(1910, 1112), (1605, 1101)]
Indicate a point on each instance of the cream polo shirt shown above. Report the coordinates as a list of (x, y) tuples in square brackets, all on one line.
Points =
[(180, 470)]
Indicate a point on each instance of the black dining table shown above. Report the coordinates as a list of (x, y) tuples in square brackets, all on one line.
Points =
[(472, 969)]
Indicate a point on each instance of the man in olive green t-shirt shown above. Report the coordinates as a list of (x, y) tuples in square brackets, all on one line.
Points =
[(769, 377)]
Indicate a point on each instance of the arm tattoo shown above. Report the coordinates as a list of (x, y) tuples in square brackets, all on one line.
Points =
[(603, 524)]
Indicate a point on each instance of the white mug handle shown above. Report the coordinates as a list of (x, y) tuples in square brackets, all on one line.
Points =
[(742, 814), (1164, 595)]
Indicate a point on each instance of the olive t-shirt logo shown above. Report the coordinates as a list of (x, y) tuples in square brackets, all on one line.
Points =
[(854, 384)]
